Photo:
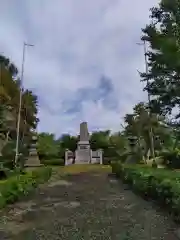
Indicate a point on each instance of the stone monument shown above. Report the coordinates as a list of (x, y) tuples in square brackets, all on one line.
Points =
[(33, 159), (83, 152)]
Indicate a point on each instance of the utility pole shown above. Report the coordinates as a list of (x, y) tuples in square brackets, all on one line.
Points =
[(20, 103), (149, 98)]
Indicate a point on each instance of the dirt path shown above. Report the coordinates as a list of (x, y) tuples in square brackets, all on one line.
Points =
[(85, 206)]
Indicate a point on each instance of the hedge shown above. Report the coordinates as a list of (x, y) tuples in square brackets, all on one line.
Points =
[(14, 187), (161, 185), (54, 162)]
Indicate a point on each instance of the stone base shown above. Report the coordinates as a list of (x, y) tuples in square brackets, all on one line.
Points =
[(161, 166), (95, 161), (76, 162), (33, 161), (83, 156)]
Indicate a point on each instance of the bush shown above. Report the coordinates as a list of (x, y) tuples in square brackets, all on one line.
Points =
[(14, 187), (171, 158), (7, 163), (54, 162), (154, 164), (124, 156), (106, 160), (47, 157), (158, 184)]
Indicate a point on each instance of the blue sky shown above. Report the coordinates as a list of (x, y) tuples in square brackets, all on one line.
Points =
[(84, 64)]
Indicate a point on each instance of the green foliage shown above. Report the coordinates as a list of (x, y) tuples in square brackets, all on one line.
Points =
[(112, 144), (47, 146), (100, 140), (8, 152), (163, 36), (53, 162), (68, 142), (171, 158), (154, 164), (144, 127), (124, 156), (9, 95), (6, 163), (15, 187), (50, 148), (158, 184), (107, 160)]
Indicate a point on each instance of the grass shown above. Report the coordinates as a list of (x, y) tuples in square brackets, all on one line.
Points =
[(81, 168), (12, 188), (53, 162)]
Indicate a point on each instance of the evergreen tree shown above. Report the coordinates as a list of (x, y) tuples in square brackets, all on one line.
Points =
[(163, 36)]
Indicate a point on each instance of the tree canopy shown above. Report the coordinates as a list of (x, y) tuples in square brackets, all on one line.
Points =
[(10, 88)]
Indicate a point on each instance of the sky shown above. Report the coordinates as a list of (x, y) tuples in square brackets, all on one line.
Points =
[(85, 60)]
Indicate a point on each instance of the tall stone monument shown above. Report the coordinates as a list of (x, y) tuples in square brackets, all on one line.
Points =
[(33, 159), (83, 152)]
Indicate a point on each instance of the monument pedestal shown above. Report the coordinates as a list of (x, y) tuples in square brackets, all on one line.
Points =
[(33, 161), (83, 153)]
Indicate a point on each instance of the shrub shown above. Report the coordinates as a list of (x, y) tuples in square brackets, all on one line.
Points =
[(106, 161), (171, 158), (7, 163), (14, 187), (154, 164), (8, 154), (124, 156), (54, 162), (158, 184), (48, 157)]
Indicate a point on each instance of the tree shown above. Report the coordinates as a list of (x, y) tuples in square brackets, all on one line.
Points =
[(117, 144), (47, 146), (9, 102), (163, 36), (100, 140), (139, 123), (9, 95), (5, 62), (68, 142)]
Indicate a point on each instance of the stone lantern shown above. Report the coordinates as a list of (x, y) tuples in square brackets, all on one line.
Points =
[(33, 159), (132, 158), (132, 142)]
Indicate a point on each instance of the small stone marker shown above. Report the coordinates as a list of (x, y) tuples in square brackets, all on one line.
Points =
[(69, 157)]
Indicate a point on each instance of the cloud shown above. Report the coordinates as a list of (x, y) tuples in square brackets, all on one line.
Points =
[(104, 91), (85, 59)]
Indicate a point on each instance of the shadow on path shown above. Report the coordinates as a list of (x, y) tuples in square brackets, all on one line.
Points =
[(84, 206)]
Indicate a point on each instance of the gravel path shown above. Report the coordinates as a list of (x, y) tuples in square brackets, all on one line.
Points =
[(85, 206)]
